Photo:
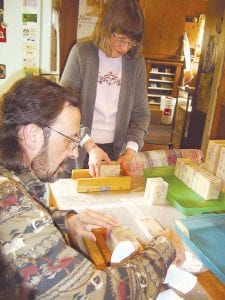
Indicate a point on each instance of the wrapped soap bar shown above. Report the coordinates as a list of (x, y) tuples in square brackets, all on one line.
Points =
[(156, 190)]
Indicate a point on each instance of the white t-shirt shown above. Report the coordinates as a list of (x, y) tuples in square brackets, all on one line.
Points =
[(107, 98)]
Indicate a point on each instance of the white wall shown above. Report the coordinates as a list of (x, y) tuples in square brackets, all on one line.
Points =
[(11, 51)]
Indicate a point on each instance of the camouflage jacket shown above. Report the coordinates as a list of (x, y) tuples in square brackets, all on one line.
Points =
[(36, 262)]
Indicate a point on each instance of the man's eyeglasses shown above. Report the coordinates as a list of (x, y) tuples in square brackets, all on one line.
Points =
[(75, 142), (123, 42)]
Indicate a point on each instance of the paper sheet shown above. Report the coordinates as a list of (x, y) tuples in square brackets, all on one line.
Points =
[(122, 250), (168, 295), (180, 279), (192, 263)]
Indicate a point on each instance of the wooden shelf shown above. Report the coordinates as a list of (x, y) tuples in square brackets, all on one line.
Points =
[(158, 80), (165, 74), (152, 102), (162, 73), (159, 88)]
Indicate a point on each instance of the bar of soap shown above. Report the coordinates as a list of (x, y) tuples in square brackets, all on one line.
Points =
[(156, 190), (198, 179), (122, 243), (111, 170), (213, 154)]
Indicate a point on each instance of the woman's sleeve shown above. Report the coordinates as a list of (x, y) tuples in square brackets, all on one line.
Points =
[(140, 115), (71, 76)]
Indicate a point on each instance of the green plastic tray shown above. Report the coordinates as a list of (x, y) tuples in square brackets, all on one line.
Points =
[(182, 197)]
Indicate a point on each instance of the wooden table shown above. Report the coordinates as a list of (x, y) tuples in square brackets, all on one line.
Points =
[(63, 196), (213, 286)]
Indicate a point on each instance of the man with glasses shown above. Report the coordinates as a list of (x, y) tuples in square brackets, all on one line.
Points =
[(109, 73), (39, 133)]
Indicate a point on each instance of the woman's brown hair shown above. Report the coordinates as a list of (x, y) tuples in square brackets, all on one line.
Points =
[(122, 17)]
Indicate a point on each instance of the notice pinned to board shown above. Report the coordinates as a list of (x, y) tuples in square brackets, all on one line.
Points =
[(2, 24), (2, 33), (30, 29), (89, 12), (2, 71), (30, 3)]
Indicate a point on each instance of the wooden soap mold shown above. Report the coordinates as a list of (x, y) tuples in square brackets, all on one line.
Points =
[(85, 183), (98, 251)]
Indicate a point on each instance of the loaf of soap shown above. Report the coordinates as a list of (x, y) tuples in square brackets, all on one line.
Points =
[(119, 234), (107, 170)]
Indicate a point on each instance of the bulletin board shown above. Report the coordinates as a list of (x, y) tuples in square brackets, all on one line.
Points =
[(30, 28)]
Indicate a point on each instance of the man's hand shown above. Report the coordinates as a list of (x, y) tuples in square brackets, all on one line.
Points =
[(125, 160), (79, 225), (175, 240)]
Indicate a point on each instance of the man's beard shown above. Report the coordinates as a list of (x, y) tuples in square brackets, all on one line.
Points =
[(40, 166)]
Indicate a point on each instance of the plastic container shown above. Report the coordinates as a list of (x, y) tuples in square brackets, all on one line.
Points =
[(206, 239), (182, 197), (167, 107)]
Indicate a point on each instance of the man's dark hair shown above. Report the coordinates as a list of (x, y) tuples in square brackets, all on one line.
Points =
[(35, 100)]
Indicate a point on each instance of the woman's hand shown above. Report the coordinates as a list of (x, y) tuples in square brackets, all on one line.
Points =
[(96, 156), (125, 160), (79, 225)]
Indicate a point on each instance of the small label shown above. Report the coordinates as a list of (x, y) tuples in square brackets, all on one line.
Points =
[(167, 112), (104, 188)]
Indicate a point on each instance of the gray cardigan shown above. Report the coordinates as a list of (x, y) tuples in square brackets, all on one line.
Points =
[(133, 117)]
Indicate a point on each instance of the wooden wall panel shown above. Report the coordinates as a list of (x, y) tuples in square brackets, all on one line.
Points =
[(161, 36), (164, 25), (68, 19)]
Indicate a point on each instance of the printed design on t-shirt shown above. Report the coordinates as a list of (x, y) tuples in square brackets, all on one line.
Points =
[(109, 79)]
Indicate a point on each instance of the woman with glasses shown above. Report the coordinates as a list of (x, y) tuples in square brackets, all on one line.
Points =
[(110, 75)]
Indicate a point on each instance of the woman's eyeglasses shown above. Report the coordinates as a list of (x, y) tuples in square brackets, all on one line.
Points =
[(123, 42), (74, 141)]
